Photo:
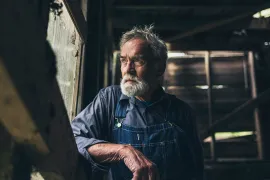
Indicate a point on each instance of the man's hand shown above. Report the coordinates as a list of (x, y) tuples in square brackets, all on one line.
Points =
[(141, 167)]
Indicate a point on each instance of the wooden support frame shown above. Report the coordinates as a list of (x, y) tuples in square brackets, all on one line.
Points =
[(210, 101), (80, 86), (77, 16), (177, 7), (170, 23), (95, 50), (256, 113), (237, 112), (24, 129), (76, 101)]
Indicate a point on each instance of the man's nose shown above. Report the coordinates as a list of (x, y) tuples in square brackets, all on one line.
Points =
[(130, 66)]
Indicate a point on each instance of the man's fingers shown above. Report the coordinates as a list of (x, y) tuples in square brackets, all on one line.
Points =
[(145, 166), (142, 172), (153, 172), (145, 172), (137, 176), (141, 166)]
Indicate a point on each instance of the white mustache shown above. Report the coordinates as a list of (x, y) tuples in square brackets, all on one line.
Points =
[(129, 77)]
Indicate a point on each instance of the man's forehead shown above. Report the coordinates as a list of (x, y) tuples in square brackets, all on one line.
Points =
[(134, 47), (134, 56), (135, 41)]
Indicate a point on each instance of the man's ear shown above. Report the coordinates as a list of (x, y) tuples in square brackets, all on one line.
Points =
[(161, 66)]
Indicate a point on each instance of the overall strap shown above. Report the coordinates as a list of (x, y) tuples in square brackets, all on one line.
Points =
[(120, 113), (121, 109)]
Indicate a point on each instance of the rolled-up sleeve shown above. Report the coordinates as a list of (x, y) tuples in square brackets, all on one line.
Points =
[(89, 128)]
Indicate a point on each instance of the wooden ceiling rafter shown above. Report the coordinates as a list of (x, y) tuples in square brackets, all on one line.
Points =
[(177, 7), (216, 24)]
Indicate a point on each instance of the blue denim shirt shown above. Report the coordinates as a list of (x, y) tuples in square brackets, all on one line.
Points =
[(95, 123)]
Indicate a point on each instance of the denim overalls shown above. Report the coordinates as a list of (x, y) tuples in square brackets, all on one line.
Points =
[(165, 144)]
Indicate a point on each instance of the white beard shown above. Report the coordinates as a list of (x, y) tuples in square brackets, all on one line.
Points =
[(136, 88)]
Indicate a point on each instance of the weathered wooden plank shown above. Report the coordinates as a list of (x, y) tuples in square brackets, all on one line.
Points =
[(66, 42), (78, 16), (190, 71)]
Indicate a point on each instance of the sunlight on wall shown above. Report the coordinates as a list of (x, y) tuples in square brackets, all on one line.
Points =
[(264, 13), (228, 135)]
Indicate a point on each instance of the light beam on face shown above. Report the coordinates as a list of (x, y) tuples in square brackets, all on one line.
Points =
[(131, 85)]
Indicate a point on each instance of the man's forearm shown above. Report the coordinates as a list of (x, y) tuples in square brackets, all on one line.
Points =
[(107, 152), (136, 162)]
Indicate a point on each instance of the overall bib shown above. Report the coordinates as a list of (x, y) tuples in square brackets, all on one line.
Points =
[(165, 144)]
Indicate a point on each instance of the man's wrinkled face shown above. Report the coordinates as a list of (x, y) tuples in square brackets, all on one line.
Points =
[(137, 67)]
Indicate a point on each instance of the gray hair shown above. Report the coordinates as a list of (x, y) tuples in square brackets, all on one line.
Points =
[(157, 45)]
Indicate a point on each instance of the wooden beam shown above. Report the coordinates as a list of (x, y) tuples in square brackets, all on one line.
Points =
[(172, 22), (179, 7), (202, 46), (95, 50), (84, 4), (221, 42), (256, 113), (216, 24), (208, 73), (20, 124), (79, 20), (238, 112)]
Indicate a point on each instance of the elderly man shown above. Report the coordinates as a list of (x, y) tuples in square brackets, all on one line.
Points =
[(137, 131)]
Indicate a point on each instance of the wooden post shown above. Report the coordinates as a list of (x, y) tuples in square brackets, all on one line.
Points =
[(95, 52), (210, 102), (245, 67), (256, 113)]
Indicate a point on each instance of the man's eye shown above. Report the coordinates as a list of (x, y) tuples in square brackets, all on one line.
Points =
[(123, 61), (139, 62)]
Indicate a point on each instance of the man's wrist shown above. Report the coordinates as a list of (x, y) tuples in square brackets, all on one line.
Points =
[(123, 151), (108, 152)]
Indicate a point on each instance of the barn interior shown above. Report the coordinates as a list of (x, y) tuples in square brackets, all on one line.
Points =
[(55, 55)]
